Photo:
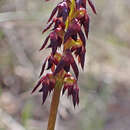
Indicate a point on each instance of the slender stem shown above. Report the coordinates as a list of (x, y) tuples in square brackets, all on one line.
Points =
[(54, 106)]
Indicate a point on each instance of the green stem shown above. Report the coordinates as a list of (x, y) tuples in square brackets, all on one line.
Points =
[(54, 106)]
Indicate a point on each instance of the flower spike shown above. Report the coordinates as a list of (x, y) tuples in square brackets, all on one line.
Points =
[(69, 28)]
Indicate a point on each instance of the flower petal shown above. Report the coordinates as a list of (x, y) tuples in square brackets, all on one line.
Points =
[(70, 60), (82, 37), (75, 95), (43, 66), (68, 34), (37, 85), (75, 69), (65, 14), (47, 27), (82, 59), (92, 6), (70, 90), (45, 93), (50, 63), (53, 13), (45, 42), (64, 89), (86, 25)]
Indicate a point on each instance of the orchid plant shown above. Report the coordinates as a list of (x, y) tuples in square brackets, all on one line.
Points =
[(69, 28)]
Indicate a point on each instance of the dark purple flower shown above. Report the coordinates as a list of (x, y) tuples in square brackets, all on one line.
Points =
[(52, 61), (67, 60), (63, 10), (55, 41), (70, 84), (48, 83)]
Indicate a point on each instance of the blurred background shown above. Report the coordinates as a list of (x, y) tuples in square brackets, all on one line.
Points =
[(104, 83)]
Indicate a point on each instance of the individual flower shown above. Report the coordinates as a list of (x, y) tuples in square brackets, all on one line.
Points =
[(55, 41), (52, 61), (72, 31), (63, 10), (70, 84), (48, 83), (66, 61)]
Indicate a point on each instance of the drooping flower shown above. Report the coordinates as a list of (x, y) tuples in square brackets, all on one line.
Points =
[(70, 84), (52, 61), (66, 60), (48, 83), (55, 41)]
